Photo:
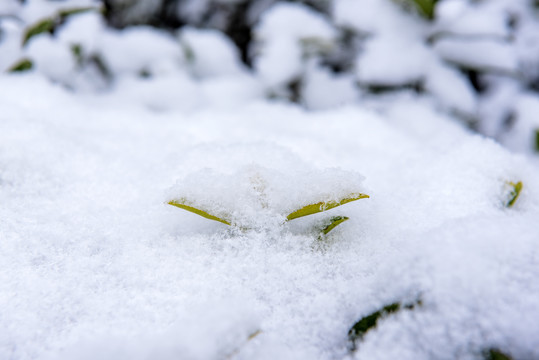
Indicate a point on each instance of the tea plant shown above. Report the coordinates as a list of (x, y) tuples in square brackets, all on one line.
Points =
[(306, 210)]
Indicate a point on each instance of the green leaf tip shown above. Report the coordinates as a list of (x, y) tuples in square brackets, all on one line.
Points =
[(21, 66), (197, 211), (333, 223), (323, 206), (426, 7), (495, 354), (515, 193), (45, 25), (358, 330)]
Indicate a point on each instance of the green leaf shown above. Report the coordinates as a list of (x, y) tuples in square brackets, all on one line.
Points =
[(426, 7), (536, 145), (49, 24), (323, 206), (68, 12), (21, 65), (45, 25), (515, 193), (333, 223), (202, 213), (358, 330), (495, 354)]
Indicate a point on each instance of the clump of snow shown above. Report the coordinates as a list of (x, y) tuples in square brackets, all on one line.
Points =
[(376, 65), (375, 17), (455, 17), (285, 34), (259, 196), (121, 50), (83, 29), (51, 58), (10, 35), (451, 88), (478, 54), (210, 53), (523, 136), (321, 89)]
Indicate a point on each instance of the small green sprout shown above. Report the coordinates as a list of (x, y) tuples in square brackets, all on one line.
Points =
[(358, 330), (514, 194), (303, 211)]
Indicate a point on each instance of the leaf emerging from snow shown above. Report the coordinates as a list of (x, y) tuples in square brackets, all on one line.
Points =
[(515, 193), (358, 330), (323, 206), (333, 223), (194, 210)]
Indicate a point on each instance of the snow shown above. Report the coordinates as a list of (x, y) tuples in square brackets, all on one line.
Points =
[(323, 90), (456, 18), (478, 54), (213, 54), (376, 18), (377, 67), (94, 264), (451, 88), (139, 48), (284, 36)]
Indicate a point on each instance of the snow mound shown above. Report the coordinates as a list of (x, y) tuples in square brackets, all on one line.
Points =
[(256, 196)]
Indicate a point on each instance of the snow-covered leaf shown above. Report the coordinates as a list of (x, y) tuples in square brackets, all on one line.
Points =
[(323, 206), (178, 203), (516, 188), (333, 223), (366, 323)]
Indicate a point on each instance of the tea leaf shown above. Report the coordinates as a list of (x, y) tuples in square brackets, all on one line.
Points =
[(515, 193), (49, 24), (334, 222), (323, 206), (237, 350), (21, 65), (68, 12), (202, 213), (358, 330), (45, 25), (495, 354), (426, 7)]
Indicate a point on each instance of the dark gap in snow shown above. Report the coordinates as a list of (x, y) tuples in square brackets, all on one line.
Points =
[(239, 31), (475, 80), (417, 87), (342, 58)]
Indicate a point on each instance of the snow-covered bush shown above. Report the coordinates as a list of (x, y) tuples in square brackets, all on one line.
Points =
[(476, 61)]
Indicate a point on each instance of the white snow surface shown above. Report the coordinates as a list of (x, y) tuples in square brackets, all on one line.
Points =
[(95, 265)]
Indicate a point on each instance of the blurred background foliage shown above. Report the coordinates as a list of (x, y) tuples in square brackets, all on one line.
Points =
[(475, 60)]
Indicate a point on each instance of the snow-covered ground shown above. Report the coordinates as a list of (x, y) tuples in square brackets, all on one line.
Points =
[(94, 264)]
